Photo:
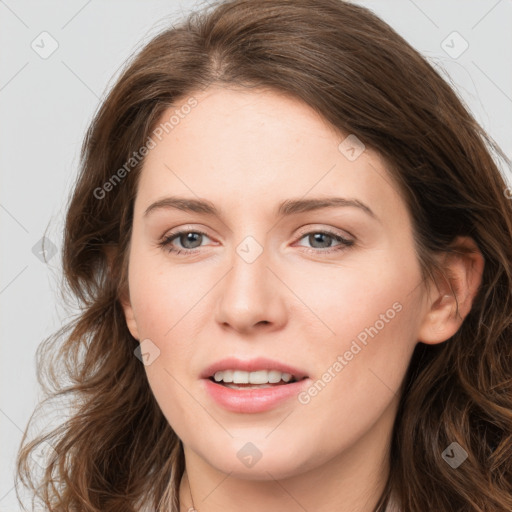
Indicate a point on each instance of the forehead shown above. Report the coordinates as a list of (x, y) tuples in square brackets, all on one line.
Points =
[(256, 148)]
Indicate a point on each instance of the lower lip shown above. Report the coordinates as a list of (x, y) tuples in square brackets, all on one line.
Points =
[(253, 400)]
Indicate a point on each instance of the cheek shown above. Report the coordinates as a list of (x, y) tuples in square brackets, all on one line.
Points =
[(353, 301), (161, 294), (163, 298), (372, 315)]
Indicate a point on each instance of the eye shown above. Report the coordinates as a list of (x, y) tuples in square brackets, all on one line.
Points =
[(324, 240), (190, 240)]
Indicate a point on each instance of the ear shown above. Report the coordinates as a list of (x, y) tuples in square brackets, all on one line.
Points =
[(451, 302), (124, 297)]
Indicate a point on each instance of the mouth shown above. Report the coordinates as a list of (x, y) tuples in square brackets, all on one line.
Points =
[(253, 392), (247, 386)]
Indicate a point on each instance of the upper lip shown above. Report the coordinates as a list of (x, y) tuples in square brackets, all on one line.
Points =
[(251, 365)]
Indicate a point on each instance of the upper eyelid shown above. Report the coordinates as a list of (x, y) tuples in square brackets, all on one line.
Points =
[(330, 230), (302, 231)]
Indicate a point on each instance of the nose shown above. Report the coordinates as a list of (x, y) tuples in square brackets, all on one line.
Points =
[(250, 296)]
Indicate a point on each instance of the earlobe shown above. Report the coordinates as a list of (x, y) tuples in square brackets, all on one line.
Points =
[(124, 297), (129, 316), (449, 305)]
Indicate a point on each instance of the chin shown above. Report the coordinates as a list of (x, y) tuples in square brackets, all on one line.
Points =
[(251, 461)]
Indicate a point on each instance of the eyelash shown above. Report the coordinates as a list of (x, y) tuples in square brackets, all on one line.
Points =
[(166, 242)]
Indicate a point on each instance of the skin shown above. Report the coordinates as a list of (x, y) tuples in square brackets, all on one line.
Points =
[(246, 152)]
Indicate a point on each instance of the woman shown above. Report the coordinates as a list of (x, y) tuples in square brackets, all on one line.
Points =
[(258, 370)]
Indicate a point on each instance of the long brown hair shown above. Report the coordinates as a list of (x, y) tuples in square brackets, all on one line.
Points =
[(115, 450)]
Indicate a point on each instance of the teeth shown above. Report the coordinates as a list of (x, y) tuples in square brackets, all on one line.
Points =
[(259, 386), (258, 377)]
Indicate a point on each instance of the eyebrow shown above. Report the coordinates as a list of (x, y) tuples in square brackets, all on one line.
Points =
[(286, 208)]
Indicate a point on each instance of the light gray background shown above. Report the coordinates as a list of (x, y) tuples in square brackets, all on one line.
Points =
[(46, 105)]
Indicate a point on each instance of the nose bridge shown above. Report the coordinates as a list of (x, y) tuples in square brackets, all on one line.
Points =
[(248, 279), (249, 293)]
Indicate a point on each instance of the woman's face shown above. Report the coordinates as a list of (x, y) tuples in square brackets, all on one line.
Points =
[(271, 277)]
